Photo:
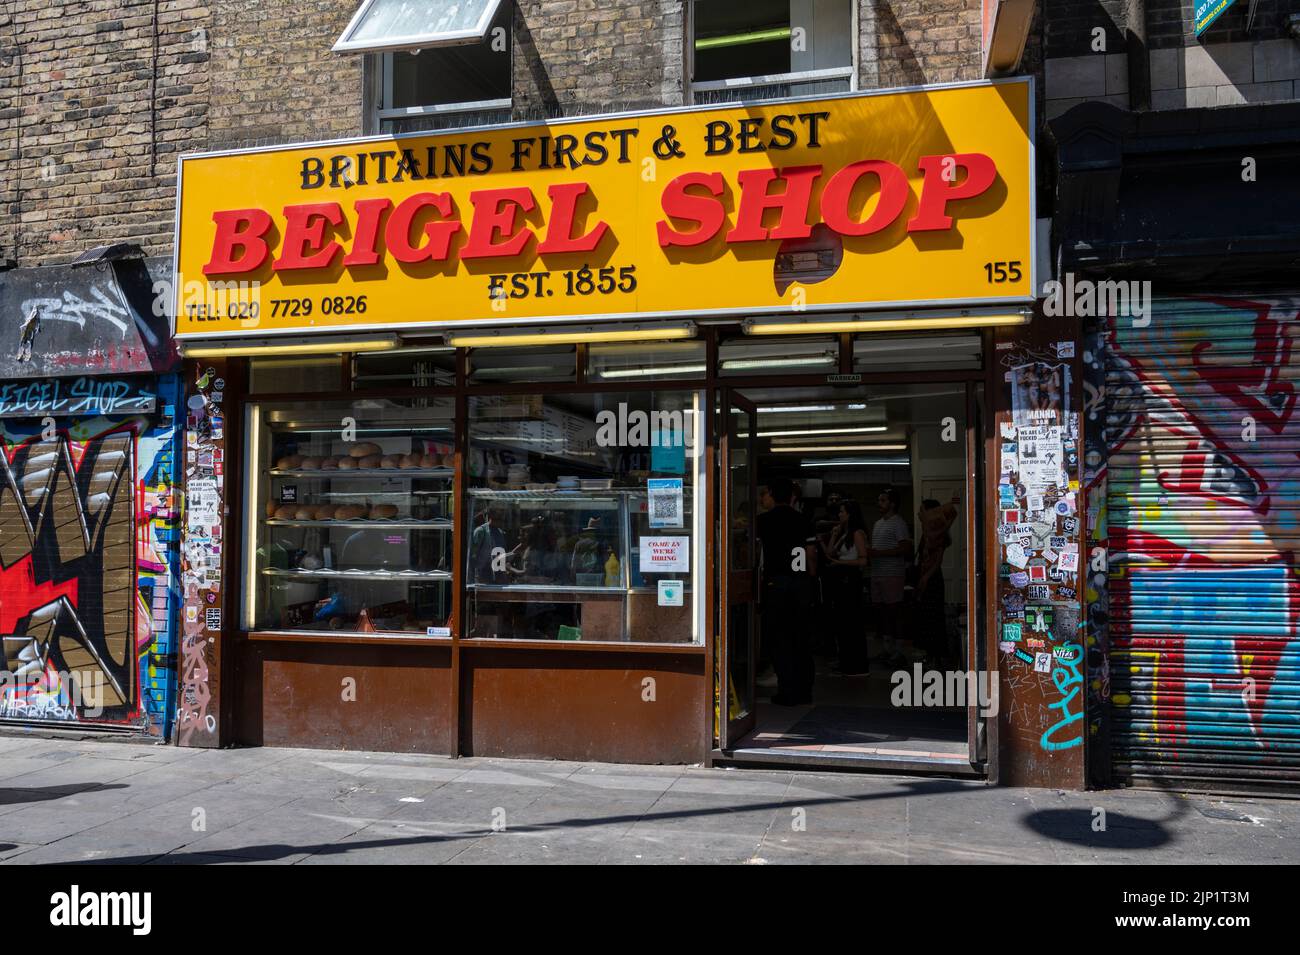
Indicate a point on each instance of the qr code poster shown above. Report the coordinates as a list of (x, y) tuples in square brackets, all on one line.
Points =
[(665, 502)]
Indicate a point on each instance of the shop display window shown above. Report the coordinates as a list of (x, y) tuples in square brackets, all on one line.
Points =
[(586, 514), (349, 514)]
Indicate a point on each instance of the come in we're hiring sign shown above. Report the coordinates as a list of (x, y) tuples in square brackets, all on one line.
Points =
[(861, 201)]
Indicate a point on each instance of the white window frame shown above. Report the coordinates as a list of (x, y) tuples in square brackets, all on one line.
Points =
[(754, 82), (419, 41), (383, 93)]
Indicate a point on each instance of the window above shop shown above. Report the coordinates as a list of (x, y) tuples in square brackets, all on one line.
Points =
[(445, 85), (765, 49), (416, 24)]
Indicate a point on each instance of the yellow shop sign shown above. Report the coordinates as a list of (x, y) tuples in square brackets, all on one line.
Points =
[(890, 199)]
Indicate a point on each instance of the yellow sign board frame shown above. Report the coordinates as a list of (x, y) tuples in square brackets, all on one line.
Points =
[(879, 200)]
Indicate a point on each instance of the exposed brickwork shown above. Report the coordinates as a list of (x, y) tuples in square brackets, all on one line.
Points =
[(927, 41), (274, 78), (589, 56), (94, 113)]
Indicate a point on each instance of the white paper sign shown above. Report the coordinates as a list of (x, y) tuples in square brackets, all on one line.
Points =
[(204, 503), (665, 555), (672, 593), (1041, 456)]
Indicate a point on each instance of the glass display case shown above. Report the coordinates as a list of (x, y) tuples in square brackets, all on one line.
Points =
[(349, 516), (585, 524)]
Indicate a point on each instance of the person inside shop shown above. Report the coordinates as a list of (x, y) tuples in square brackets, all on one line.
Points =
[(934, 520), (846, 556), (485, 544), (530, 560), (829, 519), (890, 553), (789, 550)]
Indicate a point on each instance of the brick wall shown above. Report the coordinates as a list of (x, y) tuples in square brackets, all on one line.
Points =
[(590, 56), (94, 112), (926, 41), (274, 78)]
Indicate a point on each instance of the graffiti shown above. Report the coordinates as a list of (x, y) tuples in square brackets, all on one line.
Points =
[(1200, 597), (1065, 676), (202, 555), (65, 568), (87, 570), (76, 396), (72, 308)]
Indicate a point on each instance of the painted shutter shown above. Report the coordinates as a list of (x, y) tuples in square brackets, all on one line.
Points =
[(1202, 426)]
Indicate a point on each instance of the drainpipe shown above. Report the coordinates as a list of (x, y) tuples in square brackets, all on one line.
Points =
[(1139, 63)]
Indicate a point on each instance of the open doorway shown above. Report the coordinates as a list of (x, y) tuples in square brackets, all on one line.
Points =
[(864, 531)]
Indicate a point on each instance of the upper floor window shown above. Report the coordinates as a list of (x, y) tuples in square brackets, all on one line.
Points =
[(436, 63), (764, 49)]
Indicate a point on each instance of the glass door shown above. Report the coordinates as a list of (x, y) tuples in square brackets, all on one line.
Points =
[(738, 569)]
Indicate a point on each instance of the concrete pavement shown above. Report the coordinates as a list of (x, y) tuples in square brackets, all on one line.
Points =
[(113, 802)]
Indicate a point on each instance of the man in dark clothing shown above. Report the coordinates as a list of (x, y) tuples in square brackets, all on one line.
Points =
[(789, 550), (487, 541)]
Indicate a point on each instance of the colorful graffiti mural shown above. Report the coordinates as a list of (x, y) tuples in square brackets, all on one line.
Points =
[(88, 569), (1193, 479)]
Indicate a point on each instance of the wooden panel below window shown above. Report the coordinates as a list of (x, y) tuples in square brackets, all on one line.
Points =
[(292, 694), (545, 704)]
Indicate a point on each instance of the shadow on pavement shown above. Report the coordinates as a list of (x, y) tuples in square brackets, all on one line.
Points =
[(270, 851), (10, 795), (1121, 832)]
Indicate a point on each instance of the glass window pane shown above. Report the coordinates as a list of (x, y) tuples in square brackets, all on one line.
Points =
[(424, 21), (917, 352), (405, 368), (439, 77), (809, 355), (348, 516), (644, 361), (742, 39), (501, 366), (586, 513), (290, 375), (772, 37)]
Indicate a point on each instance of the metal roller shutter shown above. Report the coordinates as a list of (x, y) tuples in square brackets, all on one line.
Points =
[(1203, 500)]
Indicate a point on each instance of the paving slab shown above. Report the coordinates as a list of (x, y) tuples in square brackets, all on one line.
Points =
[(90, 801)]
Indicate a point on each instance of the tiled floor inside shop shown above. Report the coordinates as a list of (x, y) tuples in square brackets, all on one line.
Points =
[(854, 715)]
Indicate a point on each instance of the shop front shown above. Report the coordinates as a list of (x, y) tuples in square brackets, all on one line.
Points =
[(488, 429), (89, 546)]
